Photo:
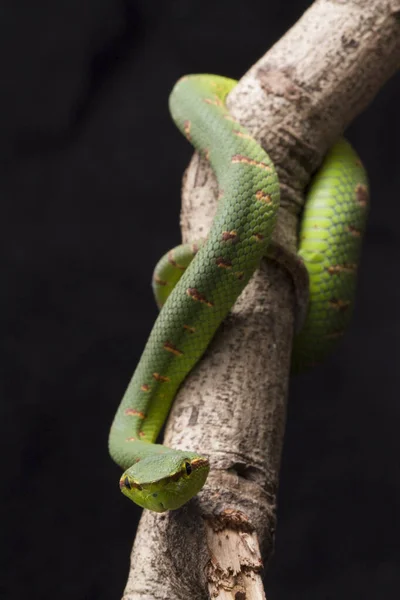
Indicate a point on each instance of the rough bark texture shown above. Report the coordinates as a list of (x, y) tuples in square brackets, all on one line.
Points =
[(296, 101)]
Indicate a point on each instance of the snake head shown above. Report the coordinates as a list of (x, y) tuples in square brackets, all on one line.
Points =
[(165, 481)]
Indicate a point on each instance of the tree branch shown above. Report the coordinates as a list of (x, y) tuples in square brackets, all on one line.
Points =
[(296, 101)]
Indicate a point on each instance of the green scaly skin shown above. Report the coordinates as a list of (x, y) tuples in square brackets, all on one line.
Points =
[(197, 285)]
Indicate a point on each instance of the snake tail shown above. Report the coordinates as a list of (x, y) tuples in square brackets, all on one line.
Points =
[(330, 241)]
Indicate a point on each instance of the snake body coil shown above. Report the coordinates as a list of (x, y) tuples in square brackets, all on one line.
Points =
[(198, 284)]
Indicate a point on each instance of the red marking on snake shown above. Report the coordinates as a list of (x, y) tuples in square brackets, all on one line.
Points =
[(171, 348), (217, 86), (362, 195), (159, 377), (341, 305), (142, 434), (189, 329), (159, 281), (242, 134), (239, 158), (131, 412), (195, 248), (230, 118), (216, 102), (223, 263), (353, 231), (186, 128), (263, 197), (258, 236), (198, 296), (173, 262), (345, 268), (131, 439), (145, 387), (230, 236)]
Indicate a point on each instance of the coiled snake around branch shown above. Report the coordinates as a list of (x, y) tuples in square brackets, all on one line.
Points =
[(197, 284)]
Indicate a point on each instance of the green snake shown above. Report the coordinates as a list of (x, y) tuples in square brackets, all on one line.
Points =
[(197, 284)]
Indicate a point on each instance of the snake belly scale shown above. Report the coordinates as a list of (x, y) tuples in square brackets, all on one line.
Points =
[(197, 284)]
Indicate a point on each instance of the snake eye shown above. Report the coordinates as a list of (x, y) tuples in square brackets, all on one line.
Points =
[(188, 468), (127, 483)]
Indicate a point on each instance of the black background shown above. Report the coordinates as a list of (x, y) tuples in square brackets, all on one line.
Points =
[(90, 183)]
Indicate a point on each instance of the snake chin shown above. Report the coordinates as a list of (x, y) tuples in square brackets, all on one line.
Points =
[(165, 481)]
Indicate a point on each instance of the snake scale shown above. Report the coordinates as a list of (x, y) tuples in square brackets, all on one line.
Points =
[(197, 284)]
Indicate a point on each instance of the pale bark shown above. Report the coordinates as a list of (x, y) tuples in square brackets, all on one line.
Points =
[(296, 101)]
